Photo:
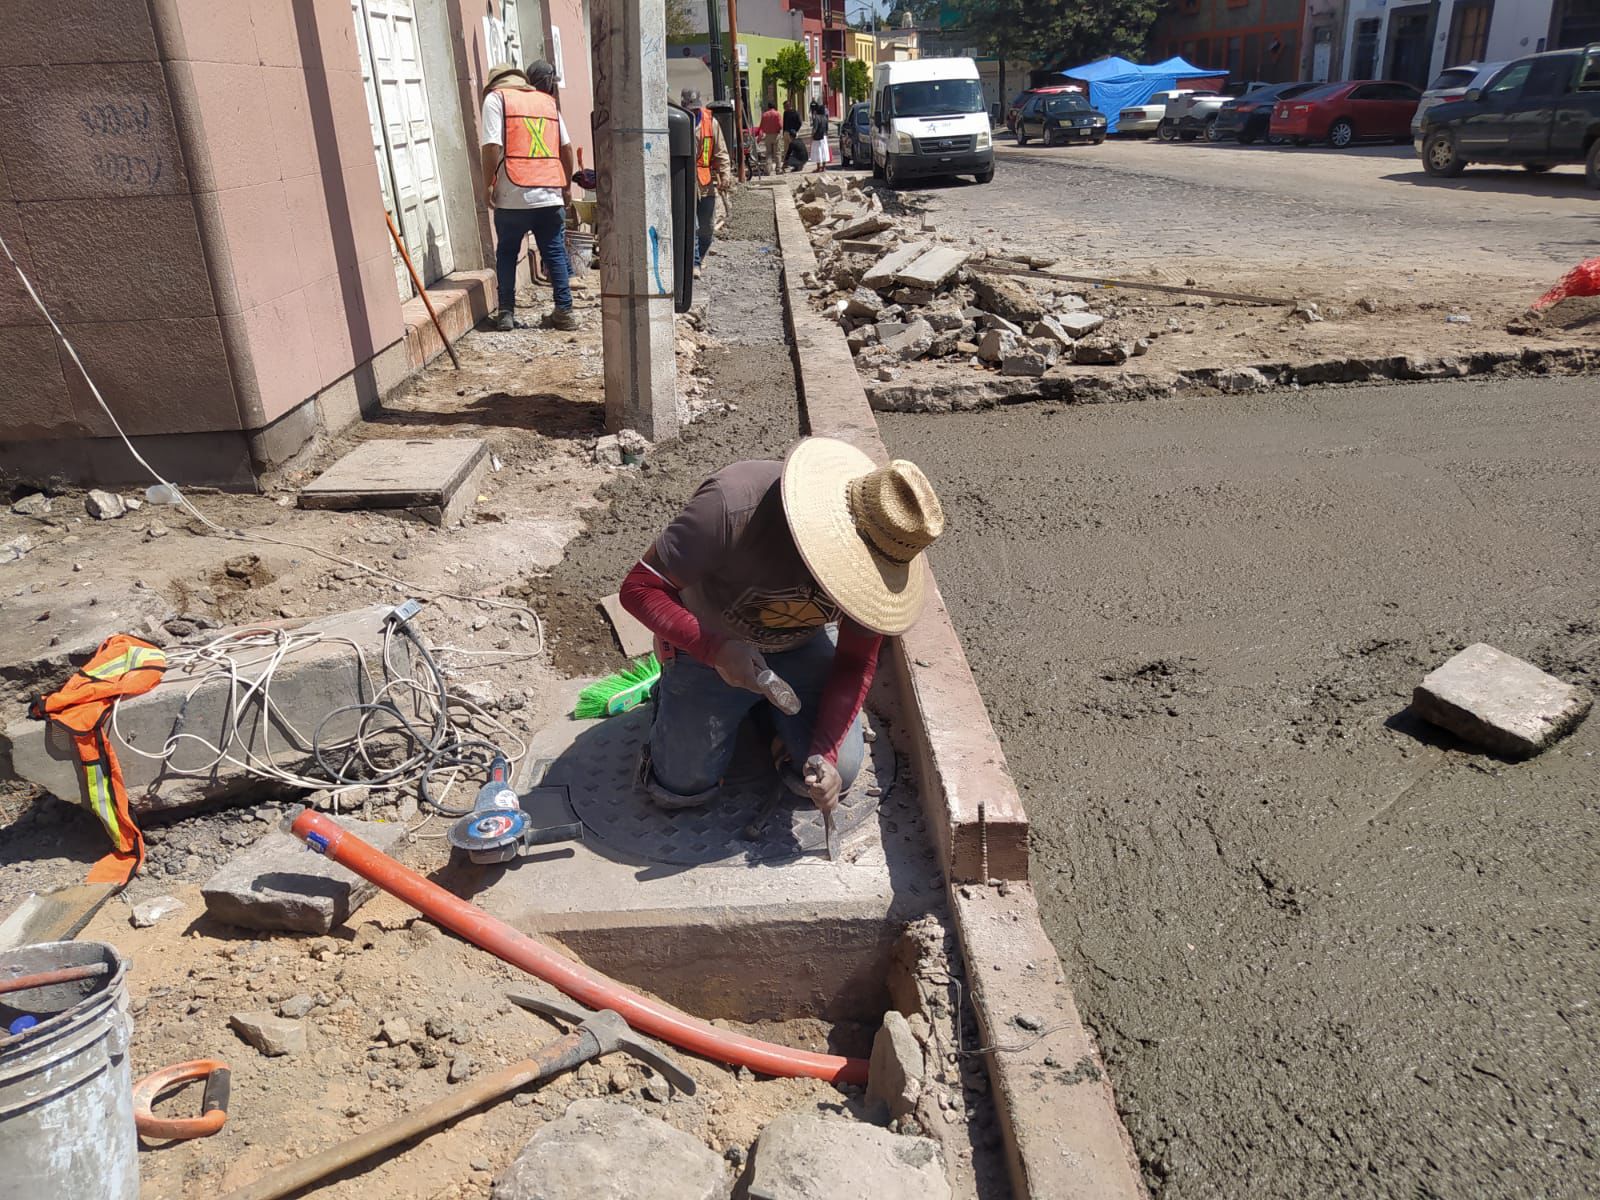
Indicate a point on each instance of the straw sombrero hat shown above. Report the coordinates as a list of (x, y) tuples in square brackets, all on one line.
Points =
[(861, 530)]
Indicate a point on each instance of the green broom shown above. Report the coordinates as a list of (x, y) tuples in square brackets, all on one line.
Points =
[(618, 693)]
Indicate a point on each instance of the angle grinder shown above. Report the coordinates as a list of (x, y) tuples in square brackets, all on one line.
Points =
[(503, 825)]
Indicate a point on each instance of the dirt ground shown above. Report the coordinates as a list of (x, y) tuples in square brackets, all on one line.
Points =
[(1386, 253), (1326, 950)]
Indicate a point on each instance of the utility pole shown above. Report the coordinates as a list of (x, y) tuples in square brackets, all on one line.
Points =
[(719, 89), (740, 117), (633, 164)]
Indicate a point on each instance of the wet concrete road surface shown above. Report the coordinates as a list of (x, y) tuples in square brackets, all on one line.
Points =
[(1326, 951)]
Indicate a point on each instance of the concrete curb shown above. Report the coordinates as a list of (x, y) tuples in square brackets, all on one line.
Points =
[(1063, 1138)]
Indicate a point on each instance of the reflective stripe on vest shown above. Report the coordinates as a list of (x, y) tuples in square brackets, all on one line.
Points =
[(122, 666), (707, 140), (532, 139)]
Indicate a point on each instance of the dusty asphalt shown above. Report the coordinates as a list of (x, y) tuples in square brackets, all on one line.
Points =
[(1327, 952)]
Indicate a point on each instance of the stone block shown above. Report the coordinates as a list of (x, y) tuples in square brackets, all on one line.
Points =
[(895, 1073), (881, 274), (804, 1157), (281, 884), (270, 1034), (1241, 379), (813, 213), (996, 344), (1100, 352), (988, 320), (307, 686), (1079, 324), (912, 342), (862, 226), (1498, 701), (1049, 329), (1024, 362), (945, 320), (863, 302), (607, 1150), (933, 269), (1010, 299)]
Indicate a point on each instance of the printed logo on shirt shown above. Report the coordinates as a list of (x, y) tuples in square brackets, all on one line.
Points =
[(775, 618)]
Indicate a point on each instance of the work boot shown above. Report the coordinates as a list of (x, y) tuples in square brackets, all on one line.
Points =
[(562, 318), (505, 320)]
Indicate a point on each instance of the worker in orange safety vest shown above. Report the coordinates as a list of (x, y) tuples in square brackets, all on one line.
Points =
[(122, 666), (713, 172), (528, 163)]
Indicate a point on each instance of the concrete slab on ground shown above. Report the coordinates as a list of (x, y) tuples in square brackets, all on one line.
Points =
[(422, 474), (632, 636), (45, 635), (1498, 701), (744, 940)]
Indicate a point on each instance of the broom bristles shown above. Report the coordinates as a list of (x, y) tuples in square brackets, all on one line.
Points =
[(618, 693)]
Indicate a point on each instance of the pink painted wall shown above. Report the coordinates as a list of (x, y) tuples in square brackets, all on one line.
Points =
[(567, 21), (197, 199)]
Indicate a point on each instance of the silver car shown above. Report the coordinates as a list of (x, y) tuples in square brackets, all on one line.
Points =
[(1452, 84), (1142, 120)]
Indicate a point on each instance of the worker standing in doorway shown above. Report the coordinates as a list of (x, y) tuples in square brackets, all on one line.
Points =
[(527, 173), (713, 173)]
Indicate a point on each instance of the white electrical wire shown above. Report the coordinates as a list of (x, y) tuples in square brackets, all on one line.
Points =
[(407, 586)]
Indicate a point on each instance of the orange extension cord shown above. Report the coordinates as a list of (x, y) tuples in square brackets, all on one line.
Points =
[(588, 987)]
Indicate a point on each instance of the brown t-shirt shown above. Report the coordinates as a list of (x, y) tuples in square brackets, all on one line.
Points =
[(731, 553)]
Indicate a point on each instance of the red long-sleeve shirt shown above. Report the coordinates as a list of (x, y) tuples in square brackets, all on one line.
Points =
[(658, 606)]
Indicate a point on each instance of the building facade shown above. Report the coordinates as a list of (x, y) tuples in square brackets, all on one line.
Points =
[(1250, 39), (1414, 42), (199, 191)]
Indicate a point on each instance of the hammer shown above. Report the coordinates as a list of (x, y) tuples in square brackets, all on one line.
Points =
[(593, 1035)]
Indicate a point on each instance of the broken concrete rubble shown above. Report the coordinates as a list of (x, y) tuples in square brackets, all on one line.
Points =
[(1079, 324), (912, 342), (104, 506), (933, 269), (1008, 298), (804, 1157), (606, 1150), (36, 505), (881, 274), (1500, 702), (895, 1074), (279, 885), (269, 1033), (1024, 362), (996, 344)]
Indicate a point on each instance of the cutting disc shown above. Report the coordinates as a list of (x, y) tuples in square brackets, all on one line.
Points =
[(488, 830)]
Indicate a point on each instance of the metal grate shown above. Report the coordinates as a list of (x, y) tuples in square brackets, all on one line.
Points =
[(946, 145), (752, 819)]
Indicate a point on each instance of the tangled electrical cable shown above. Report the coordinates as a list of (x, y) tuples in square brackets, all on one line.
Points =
[(402, 731)]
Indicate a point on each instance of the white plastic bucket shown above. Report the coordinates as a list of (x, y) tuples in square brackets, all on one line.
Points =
[(66, 1088)]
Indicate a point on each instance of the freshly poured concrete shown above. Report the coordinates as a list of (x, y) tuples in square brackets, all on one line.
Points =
[(753, 941)]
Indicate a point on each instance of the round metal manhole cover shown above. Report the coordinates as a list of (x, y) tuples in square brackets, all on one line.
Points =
[(752, 818)]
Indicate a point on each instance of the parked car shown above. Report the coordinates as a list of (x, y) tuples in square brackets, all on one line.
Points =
[(1142, 120), (1539, 111), (1194, 114), (1344, 113), (855, 135), (1452, 84), (1247, 118), (1067, 117), (1027, 94)]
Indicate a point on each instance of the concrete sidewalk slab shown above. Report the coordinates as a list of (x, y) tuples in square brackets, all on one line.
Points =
[(425, 475), (1498, 701)]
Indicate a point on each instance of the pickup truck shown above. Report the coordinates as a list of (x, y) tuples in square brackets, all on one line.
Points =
[(1194, 114), (1540, 112)]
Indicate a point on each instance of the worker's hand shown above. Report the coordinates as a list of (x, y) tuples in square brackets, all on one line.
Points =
[(488, 194), (739, 664), (822, 782)]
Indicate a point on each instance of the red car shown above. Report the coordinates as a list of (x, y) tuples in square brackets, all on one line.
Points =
[(1342, 113), (1015, 108)]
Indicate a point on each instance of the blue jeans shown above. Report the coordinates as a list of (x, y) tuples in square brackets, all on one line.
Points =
[(697, 721), (705, 220), (549, 229)]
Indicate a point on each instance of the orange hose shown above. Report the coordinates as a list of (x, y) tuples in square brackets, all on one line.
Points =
[(587, 987)]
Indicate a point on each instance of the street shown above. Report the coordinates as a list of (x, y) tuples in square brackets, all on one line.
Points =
[(1234, 211), (1325, 949)]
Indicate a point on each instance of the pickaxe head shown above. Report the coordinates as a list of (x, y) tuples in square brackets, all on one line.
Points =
[(610, 1032)]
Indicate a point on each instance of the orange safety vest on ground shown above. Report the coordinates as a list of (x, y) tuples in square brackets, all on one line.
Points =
[(532, 156), (707, 140), (123, 666)]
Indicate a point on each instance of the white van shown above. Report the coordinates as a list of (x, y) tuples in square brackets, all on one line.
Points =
[(929, 118)]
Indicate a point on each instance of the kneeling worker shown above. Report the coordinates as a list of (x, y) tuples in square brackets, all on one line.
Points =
[(795, 570)]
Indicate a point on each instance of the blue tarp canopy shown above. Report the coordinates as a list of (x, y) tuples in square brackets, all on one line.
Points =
[(1115, 83)]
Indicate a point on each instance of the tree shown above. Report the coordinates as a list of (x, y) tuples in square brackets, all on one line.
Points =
[(680, 25), (790, 68), (1059, 33), (851, 78)]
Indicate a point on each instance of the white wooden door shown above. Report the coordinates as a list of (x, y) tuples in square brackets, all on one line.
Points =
[(397, 104)]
